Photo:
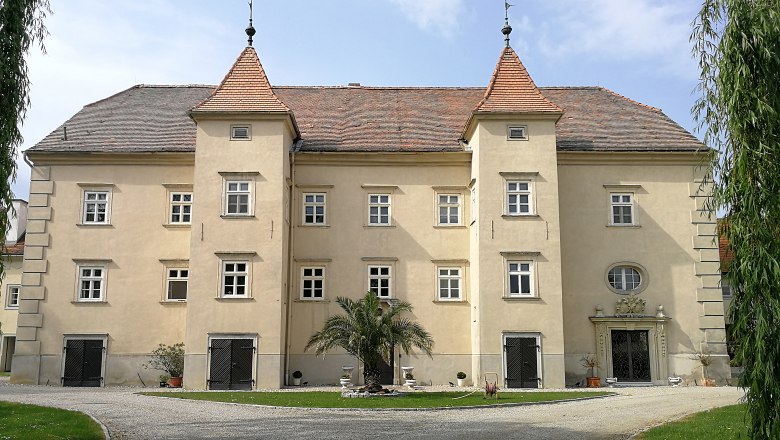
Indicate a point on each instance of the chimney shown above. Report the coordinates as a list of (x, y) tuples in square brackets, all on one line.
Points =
[(18, 222)]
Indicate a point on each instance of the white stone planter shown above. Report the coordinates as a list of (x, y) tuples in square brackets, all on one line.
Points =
[(345, 382), (461, 382), (296, 381), (410, 383)]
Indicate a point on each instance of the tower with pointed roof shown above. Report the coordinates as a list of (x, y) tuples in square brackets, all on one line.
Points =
[(511, 133), (245, 133)]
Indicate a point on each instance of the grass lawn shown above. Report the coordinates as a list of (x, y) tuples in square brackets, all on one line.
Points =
[(19, 421), (727, 423), (5, 373), (321, 399)]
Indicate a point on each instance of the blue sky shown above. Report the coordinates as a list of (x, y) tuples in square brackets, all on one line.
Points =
[(638, 48)]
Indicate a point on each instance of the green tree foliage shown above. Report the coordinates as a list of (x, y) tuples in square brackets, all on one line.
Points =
[(21, 23), (168, 358), (737, 43), (369, 332)]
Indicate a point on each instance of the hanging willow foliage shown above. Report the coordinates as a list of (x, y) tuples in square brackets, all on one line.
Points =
[(21, 23), (737, 43)]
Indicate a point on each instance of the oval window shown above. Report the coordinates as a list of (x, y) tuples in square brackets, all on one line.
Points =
[(626, 279)]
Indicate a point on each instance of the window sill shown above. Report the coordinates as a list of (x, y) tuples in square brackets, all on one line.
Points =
[(100, 302), (625, 226), (95, 225), (11, 307), (520, 216), (239, 299), (451, 301), (378, 226), (521, 298), (450, 227), (237, 216), (173, 302), (312, 301), (177, 225), (304, 225)]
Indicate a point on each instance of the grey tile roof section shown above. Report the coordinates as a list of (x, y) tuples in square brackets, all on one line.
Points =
[(148, 118)]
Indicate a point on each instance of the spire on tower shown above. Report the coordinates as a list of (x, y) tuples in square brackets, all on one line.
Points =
[(506, 30), (250, 30)]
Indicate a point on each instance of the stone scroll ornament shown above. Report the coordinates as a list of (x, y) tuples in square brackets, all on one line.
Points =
[(632, 305)]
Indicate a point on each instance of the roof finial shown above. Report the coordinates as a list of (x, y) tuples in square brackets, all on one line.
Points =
[(506, 30), (250, 31)]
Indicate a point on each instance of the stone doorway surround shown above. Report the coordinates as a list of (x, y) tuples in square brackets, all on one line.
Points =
[(656, 328)]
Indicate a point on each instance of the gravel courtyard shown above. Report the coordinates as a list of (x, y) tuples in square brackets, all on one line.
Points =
[(131, 416)]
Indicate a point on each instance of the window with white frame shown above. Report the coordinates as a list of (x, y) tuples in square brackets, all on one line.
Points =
[(518, 197), (313, 208), (380, 281), (622, 206), (450, 283), (520, 278), (238, 196), (449, 209), (12, 297), (312, 282), (379, 209), (624, 278), (235, 275), (177, 283), (181, 208), (92, 283), (96, 207)]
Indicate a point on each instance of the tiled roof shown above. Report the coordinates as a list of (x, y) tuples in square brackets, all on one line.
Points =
[(244, 89), (14, 249), (726, 254), (155, 119), (511, 89)]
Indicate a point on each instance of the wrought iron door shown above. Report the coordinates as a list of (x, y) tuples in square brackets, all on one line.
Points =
[(231, 364), (522, 368), (387, 370), (83, 363), (630, 355)]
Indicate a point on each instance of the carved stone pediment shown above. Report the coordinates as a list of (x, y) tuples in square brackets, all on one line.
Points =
[(631, 305)]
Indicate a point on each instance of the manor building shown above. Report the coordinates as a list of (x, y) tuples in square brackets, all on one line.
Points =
[(527, 226)]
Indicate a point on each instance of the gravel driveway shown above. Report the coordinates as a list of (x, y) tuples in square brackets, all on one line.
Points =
[(131, 416)]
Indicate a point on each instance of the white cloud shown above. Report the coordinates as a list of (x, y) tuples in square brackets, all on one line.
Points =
[(440, 15), (617, 29)]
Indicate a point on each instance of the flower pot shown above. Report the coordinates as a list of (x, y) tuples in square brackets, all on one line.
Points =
[(297, 381), (709, 382), (410, 382), (461, 382), (594, 382), (345, 382), (174, 382), (163, 384)]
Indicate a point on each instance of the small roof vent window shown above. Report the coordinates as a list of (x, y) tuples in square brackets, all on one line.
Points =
[(240, 132), (517, 133)]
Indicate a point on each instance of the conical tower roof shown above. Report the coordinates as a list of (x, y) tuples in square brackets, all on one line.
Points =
[(244, 89), (511, 90)]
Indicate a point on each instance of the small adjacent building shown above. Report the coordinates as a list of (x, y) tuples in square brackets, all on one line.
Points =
[(11, 285), (527, 226)]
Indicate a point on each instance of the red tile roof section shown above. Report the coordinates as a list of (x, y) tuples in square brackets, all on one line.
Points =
[(511, 90), (726, 254), (16, 249), (244, 89)]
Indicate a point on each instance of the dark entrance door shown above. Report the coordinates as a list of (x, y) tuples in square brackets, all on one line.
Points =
[(83, 363), (231, 364), (521, 362), (630, 355), (387, 370)]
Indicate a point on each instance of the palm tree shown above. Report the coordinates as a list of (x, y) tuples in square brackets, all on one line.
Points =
[(369, 333)]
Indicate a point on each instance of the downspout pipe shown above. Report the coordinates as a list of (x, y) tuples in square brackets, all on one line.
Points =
[(288, 306)]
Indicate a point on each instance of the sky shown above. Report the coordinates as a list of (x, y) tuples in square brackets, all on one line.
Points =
[(96, 48)]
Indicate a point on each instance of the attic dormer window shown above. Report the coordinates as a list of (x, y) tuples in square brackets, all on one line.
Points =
[(240, 133), (517, 133)]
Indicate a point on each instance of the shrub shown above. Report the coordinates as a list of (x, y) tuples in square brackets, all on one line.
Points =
[(169, 358), (297, 374), (461, 375)]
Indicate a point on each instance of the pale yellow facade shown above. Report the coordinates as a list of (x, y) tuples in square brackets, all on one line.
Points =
[(534, 271)]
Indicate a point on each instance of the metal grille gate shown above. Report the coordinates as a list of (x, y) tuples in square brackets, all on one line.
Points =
[(630, 355), (231, 364), (83, 363), (521, 362)]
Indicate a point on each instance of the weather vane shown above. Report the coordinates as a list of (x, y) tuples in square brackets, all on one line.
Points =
[(250, 31), (506, 30)]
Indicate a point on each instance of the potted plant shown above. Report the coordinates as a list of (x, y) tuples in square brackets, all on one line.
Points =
[(410, 382), (705, 359), (591, 362), (164, 378), (297, 375), (346, 380), (461, 379), (169, 358)]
